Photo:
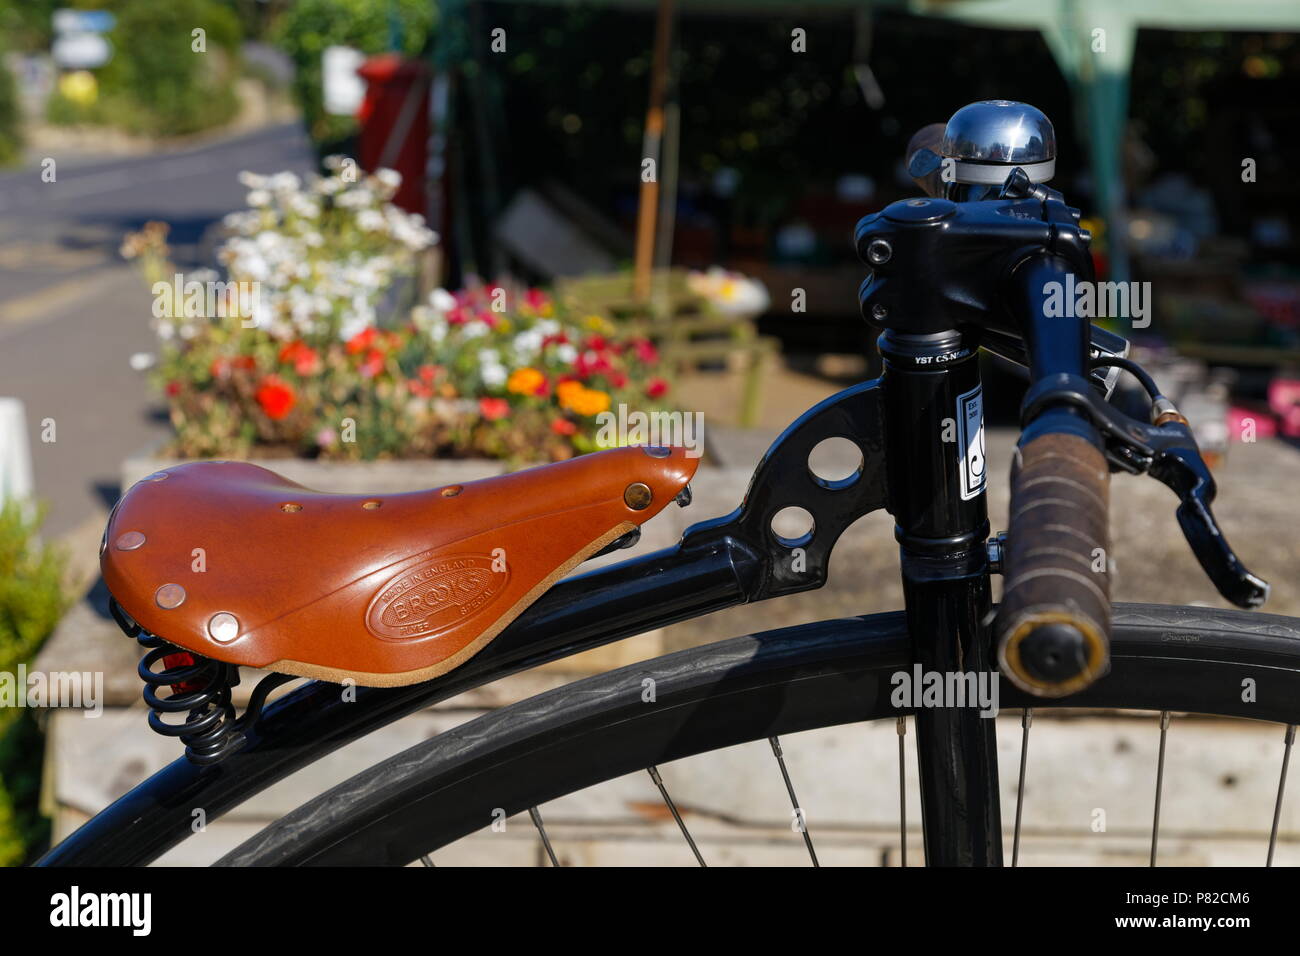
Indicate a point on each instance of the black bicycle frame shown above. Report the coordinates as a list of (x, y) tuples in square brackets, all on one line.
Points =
[(897, 421)]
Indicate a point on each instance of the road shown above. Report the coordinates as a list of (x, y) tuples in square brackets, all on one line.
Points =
[(72, 312)]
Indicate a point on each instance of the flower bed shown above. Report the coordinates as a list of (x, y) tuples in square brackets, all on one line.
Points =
[(309, 352)]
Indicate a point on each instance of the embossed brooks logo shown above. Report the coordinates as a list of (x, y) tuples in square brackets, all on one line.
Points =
[(436, 596)]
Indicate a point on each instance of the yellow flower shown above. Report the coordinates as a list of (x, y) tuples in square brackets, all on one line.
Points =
[(596, 323), (525, 381)]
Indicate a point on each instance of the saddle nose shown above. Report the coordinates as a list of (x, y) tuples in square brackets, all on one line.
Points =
[(987, 139)]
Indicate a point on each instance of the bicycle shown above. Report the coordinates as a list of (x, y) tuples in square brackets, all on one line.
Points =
[(418, 598)]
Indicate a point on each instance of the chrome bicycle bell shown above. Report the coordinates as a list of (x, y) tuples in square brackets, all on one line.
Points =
[(987, 140)]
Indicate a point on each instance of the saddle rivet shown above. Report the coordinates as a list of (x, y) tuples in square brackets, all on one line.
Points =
[(291, 506), (657, 451), (223, 627), (170, 596), (638, 496), (129, 541), (371, 505), (452, 491)]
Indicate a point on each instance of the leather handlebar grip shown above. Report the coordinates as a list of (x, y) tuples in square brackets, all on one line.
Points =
[(1053, 625)]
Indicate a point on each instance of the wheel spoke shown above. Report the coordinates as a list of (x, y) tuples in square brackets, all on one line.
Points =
[(663, 792), (1026, 719), (902, 788), (537, 822), (794, 800), (426, 860), (1288, 740), (1160, 777)]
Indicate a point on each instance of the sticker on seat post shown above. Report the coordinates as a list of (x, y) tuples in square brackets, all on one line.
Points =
[(970, 438)]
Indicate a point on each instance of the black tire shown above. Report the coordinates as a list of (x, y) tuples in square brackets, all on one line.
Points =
[(748, 688)]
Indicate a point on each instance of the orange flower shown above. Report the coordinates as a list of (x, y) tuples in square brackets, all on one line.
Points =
[(567, 391), (526, 381), (585, 401), (276, 398)]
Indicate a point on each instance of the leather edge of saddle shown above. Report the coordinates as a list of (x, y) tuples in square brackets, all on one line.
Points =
[(451, 662)]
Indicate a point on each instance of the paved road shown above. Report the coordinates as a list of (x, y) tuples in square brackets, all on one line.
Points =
[(72, 313)]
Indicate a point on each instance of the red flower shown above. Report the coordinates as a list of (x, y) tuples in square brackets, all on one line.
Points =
[(617, 379), (302, 357), (646, 351), (173, 389), (362, 340), (562, 426), (428, 373), (656, 387), (276, 398), (493, 409), (373, 365)]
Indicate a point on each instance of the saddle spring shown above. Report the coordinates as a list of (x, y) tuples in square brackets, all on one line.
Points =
[(198, 687)]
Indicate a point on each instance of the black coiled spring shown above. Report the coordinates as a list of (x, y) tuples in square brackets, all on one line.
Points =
[(195, 686)]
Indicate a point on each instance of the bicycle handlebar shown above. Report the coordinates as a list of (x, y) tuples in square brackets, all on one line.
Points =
[(1053, 627)]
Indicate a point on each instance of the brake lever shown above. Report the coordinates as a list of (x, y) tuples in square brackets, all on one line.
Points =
[(1167, 451), (1179, 466)]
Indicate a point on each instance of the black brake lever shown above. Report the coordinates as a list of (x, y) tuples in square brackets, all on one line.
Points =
[(1167, 452), (1180, 466)]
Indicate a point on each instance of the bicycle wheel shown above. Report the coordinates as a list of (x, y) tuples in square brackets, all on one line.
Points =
[(745, 689)]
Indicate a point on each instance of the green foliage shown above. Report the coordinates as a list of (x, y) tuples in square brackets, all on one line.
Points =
[(31, 597), (31, 602), (10, 134), (22, 828), (156, 83), (309, 26)]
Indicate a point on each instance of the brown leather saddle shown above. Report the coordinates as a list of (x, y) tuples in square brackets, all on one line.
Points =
[(232, 561)]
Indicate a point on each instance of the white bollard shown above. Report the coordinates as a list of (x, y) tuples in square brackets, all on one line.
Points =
[(15, 453)]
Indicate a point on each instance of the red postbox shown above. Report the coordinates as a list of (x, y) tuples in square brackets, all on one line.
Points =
[(394, 119)]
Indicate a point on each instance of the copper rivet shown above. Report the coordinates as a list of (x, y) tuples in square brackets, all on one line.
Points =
[(452, 491), (129, 541), (371, 505), (170, 596), (291, 506), (223, 627), (657, 451), (638, 496)]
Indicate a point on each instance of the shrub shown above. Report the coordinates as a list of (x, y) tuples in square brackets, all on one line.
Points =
[(10, 120), (309, 26), (156, 83), (31, 602)]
